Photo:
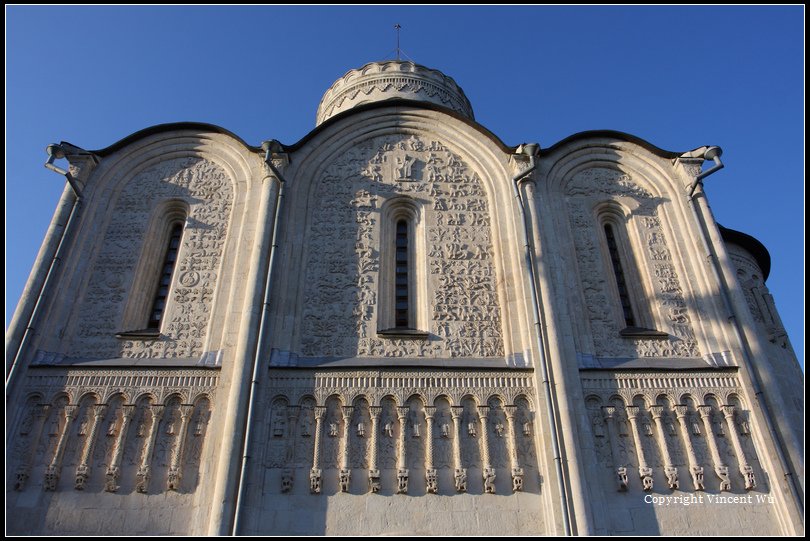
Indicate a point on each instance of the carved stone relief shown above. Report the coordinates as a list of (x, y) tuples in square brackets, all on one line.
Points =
[(683, 428), (340, 309), (90, 438), (207, 189), (602, 184), (413, 429)]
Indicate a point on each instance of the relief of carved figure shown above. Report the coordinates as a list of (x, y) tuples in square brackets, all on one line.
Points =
[(51, 478), (472, 429), (445, 430), (750, 480), (489, 480), (361, 429), (499, 429), (374, 480), (527, 428), (517, 479), (20, 477), (722, 473), (697, 477), (344, 479), (112, 429), (646, 478), (111, 479), (82, 473), (142, 479), (388, 429), (286, 481), (672, 477), (596, 425), (315, 481), (333, 430), (402, 481), (695, 427), (53, 427), (460, 478), (415, 429), (745, 428), (404, 166), (27, 423), (306, 424), (173, 478), (431, 476), (621, 473)]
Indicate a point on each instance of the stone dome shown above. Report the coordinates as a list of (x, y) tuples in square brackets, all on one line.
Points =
[(392, 79)]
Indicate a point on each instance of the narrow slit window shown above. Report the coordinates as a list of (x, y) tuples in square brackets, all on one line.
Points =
[(618, 272), (165, 281), (401, 297)]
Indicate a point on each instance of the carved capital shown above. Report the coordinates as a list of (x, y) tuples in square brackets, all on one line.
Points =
[(374, 411), (157, 412), (402, 412), (41, 410), (681, 411), (347, 412), (457, 412), (728, 411), (293, 412), (705, 412), (608, 412), (70, 412), (483, 411), (128, 411), (185, 411), (510, 412), (656, 411), (430, 411), (99, 410), (320, 411), (632, 412)]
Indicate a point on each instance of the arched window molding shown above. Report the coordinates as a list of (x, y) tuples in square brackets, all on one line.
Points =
[(150, 293), (632, 300), (403, 275)]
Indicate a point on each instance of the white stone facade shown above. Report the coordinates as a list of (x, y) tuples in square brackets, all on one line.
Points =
[(564, 342)]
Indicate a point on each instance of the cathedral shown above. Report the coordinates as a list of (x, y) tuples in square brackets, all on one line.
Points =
[(398, 325)]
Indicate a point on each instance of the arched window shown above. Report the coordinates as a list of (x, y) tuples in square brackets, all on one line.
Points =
[(402, 270), (150, 292), (634, 304), (165, 279), (401, 281), (618, 273)]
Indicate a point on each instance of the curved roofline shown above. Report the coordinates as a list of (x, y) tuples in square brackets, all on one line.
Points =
[(612, 134), (171, 126), (397, 102), (393, 102), (751, 245)]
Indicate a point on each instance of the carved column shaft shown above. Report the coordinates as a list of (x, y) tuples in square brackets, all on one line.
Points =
[(457, 428), (146, 458), (609, 415), (644, 470), (118, 447), (316, 452), (347, 421), (98, 415), (374, 412), (745, 469), (681, 412), (402, 415), (113, 470), (632, 416), (706, 415), (179, 447), (719, 467), (485, 459), (670, 470), (292, 422), (695, 469), (70, 415), (40, 413), (512, 444), (429, 411)]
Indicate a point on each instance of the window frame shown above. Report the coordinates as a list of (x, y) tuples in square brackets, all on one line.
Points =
[(393, 212), (149, 271)]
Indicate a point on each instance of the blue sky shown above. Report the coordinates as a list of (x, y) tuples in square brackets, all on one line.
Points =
[(679, 77)]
